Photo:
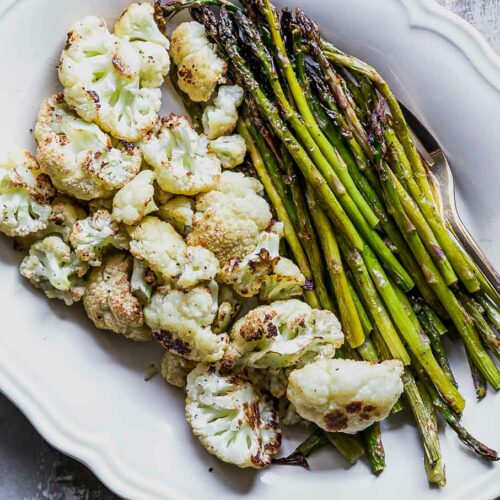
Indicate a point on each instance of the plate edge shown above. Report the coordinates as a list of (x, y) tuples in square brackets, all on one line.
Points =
[(94, 451)]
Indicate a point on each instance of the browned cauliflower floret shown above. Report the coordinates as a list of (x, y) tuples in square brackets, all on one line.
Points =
[(114, 80), (283, 334), (342, 395), (179, 212), (80, 158), (52, 267), (25, 195), (230, 218), (232, 419), (109, 301), (136, 199), (166, 253), (263, 271), (180, 157), (65, 213), (175, 369), (92, 236), (200, 69), (181, 322)]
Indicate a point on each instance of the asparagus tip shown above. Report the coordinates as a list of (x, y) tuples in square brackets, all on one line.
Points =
[(296, 459)]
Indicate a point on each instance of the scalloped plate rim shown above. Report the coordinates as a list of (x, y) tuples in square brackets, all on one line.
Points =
[(96, 452)]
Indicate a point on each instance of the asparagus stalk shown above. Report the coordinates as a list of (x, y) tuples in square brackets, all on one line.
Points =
[(435, 340), (351, 88), (425, 423), (273, 170), (372, 302), (436, 322), (290, 234), (411, 333), (299, 457), (348, 446), (175, 6), (307, 233), (478, 380), (363, 316), (423, 196), (326, 152), (349, 318), (291, 193), (335, 137), (490, 309), (384, 353), (311, 135), (368, 352), (224, 36), (328, 101), (452, 419), (422, 226), (435, 471), (487, 334), (375, 448), (332, 78), (445, 295)]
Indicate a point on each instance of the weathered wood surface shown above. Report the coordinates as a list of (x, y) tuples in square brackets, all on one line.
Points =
[(31, 469), (484, 15)]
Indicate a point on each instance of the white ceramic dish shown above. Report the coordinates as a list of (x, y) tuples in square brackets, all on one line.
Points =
[(84, 390)]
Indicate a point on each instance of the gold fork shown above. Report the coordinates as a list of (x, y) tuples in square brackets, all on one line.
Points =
[(444, 191)]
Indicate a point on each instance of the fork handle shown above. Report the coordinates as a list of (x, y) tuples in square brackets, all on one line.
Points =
[(473, 250)]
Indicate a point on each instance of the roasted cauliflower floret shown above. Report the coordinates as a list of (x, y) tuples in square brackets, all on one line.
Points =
[(230, 218), (263, 270), (285, 281), (80, 158), (25, 195), (142, 281), (180, 157), (135, 200), (221, 117), (109, 301), (273, 380), (181, 322), (179, 212), (113, 80), (161, 196), (65, 214), (175, 369), (229, 308), (283, 334), (164, 250), (187, 38), (100, 204), (199, 68), (91, 236), (288, 414), (230, 149), (341, 395), (52, 267), (231, 418)]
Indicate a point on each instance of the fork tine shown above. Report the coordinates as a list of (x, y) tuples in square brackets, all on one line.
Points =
[(424, 141), (442, 190)]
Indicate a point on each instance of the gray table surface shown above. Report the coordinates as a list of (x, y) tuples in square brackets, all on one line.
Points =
[(31, 469)]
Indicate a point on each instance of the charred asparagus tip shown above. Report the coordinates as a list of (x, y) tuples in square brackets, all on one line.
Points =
[(296, 458)]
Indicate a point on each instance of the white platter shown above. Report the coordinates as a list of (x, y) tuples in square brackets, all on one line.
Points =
[(84, 390)]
